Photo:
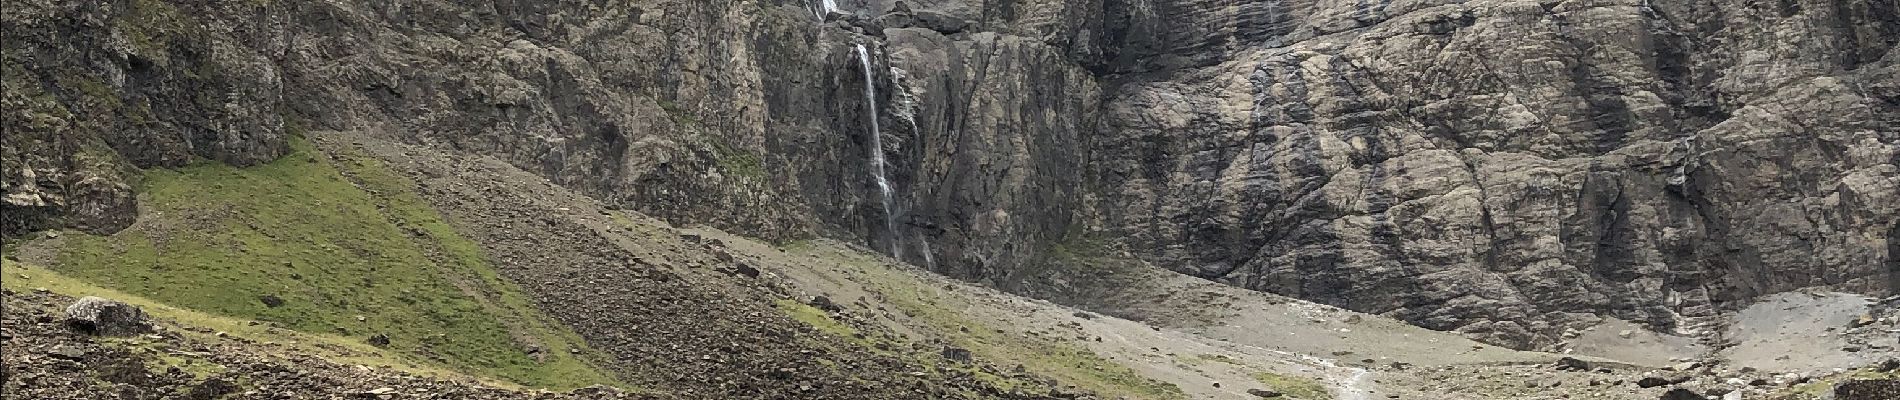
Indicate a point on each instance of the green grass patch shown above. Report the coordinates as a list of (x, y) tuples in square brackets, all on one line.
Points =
[(160, 358), (25, 277), (739, 162), (1292, 386), (298, 243), (815, 317)]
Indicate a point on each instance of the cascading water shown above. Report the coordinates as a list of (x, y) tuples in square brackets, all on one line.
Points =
[(825, 7), (877, 149)]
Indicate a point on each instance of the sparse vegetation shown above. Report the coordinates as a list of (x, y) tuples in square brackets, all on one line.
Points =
[(737, 161), (677, 114), (24, 277), (1217, 358), (296, 243), (1823, 388), (1077, 247), (1066, 363), (149, 25), (814, 317), (1292, 386)]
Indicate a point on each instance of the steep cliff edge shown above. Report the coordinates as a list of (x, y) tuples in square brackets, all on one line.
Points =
[(1511, 169)]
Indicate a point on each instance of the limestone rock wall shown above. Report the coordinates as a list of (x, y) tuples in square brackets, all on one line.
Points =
[(1508, 168)]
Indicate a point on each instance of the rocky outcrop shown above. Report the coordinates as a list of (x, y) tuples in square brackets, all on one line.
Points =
[(93, 89), (1867, 389), (1506, 168)]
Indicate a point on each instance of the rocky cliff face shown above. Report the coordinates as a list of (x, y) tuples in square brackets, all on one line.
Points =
[(1506, 168), (1509, 167)]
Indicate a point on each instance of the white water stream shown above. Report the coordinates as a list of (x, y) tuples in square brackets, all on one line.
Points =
[(877, 148)]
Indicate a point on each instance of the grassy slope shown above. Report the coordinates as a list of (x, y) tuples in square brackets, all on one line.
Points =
[(941, 314), (1297, 387), (346, 260), (23, 277)]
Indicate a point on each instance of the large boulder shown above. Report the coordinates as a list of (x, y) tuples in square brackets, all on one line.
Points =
[(1572, 364), (1661, 380), (1682, 394), (99, 316)]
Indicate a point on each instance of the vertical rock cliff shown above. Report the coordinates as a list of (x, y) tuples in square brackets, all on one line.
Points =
[(1506, 168), (1510, 168)]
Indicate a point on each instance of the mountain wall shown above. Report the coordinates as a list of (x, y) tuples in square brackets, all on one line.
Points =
[(1514, 168), (1505, 168)]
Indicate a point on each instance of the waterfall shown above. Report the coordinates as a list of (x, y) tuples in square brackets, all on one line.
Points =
[(877, 148), (826, 7)]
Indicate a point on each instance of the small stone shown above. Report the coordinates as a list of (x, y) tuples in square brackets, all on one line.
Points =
[(1263, 393), (1654, 381), (824, 303), (1862, 320), (379, 393), (69, 352)]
